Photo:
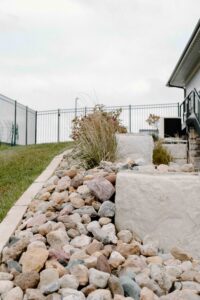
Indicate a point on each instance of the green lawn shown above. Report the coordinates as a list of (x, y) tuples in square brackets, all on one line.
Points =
[(20, 166)]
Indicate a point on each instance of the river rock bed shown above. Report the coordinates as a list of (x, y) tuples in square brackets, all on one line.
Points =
[(67, 247)]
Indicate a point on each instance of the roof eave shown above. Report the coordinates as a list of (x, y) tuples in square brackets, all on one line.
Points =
[(178, 65)]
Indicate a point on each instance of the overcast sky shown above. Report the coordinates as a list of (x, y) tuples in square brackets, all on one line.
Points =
[(114, 52)]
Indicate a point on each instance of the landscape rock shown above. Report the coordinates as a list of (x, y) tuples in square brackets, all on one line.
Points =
[(115, 286), (101, 188), (125, 236), (14, 294), (63, 184), (77, 295), (69, 281), (5, 286), (57, 239), (181, 254), (86, 210), (147, 294), (84, 191), (103, 264), (94, 247), (128, 249), (54, 296), (27, 280), (34, 294), (67, 246), (49, 281), (77, 181), (98, 278), (5, 276), (81, 241), (116, 259), (107, 209), (100, 294), (34, 259), (181, 295), (36, 220), (81, 273), (77, 202), (130, 287), (14, 251)]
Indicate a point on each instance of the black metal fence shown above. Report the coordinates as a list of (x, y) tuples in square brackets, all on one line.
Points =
[(56, 125), (17, 122), (21, 125)]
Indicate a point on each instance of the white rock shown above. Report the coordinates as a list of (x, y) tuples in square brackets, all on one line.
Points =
[(63, 184), (14, 294), (109, 229), (5, 286), (49, 281), (98, 278), (125, 236), (116, 259), (81, 241), (84, 191), (100, 294), (57, 239), (71, 292), (5, 276), (69, 281)]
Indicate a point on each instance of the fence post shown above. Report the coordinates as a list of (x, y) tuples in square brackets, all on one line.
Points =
[(179, 112), (58, 138), (85, 111), (26, 132), (15, 124), (36, 116), (130, 119)]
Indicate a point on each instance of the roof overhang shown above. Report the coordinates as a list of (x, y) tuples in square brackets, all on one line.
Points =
[(189, 61)]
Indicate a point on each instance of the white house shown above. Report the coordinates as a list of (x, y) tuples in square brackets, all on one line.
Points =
[(186, 75)]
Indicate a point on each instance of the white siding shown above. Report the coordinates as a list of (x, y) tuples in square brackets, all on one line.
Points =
[(194, 83)]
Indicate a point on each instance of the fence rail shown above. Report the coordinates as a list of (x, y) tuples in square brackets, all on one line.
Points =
[(21, 125)]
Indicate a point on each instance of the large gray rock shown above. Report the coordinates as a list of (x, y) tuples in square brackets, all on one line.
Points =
[(135, 147), (164, 206)]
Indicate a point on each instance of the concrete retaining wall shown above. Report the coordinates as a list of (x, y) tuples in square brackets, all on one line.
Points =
[(164, 206), (178, 151), (135, 147)]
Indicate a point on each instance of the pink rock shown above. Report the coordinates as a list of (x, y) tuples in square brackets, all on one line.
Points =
[(36, 220), (59, 255), (101, 188)]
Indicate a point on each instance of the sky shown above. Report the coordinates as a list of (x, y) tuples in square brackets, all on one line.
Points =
[(113, 52)]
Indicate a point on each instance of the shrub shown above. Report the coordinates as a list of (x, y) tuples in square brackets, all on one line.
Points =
[(160, 154), (94, 136)]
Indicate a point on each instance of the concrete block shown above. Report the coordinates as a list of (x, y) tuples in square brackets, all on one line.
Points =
[(10, 223), (164, 206), (178, 151), (135, 147), (29, 194)]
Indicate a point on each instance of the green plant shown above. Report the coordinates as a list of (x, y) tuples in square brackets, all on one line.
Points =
[(94, 136), (160, 154)]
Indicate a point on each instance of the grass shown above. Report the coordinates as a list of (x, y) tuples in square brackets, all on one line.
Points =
[(20, 166)]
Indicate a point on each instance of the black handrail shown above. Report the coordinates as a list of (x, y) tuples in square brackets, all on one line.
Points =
[(190, 105)]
